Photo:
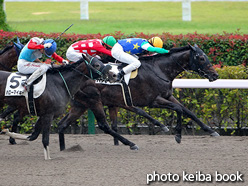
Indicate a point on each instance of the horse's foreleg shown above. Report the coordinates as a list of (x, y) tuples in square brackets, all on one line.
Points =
[(103, 125), (5, 113), (163, 103), (37, 130), (147, 116), (70, 118), (113, 111), (191, 115)]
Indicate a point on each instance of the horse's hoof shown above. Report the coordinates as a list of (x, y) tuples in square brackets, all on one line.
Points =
[(134, 147), (215, 134), (165, 129), (30, 138), (178, 138), (12, 141)]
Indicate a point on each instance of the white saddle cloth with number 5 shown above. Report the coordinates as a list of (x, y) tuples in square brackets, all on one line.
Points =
[(14, 87)]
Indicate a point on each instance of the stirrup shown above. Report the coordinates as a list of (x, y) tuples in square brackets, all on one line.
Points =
[(120, 76)]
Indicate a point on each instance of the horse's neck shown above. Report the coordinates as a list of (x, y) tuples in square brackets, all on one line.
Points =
[(8, 59), (72, 79), (176, 64)]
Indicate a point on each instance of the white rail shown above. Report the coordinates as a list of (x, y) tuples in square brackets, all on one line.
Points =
[(204, 83)]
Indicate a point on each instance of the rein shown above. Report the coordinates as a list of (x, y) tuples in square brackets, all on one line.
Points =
[(66, 86), (90, 71)]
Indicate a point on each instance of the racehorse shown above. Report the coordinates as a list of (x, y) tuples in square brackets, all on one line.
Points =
[(62, 84), (152, 87), (9, 56)]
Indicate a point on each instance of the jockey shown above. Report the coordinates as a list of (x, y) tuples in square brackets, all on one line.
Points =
[(125, 49), (29, 63), (94, 47)]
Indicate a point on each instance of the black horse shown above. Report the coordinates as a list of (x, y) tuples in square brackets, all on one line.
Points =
[(152, 87), (62, 84)]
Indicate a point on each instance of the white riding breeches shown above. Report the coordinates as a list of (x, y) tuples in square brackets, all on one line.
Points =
[(119, 54), (27, 67), (72, 55)]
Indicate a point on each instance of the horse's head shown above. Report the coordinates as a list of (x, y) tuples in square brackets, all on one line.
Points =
[(98, 70), (199, 63)]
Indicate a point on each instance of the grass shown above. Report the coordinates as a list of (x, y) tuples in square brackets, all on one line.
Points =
[(128, 17)]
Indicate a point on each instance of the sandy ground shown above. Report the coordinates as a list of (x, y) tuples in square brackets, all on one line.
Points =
[(94, 160)]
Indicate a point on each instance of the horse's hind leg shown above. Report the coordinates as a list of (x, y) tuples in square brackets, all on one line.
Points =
[(17, 120), (46, 123), (113, 117)]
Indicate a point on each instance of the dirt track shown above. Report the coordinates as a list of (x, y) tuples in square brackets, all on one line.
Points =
[(92, 160)]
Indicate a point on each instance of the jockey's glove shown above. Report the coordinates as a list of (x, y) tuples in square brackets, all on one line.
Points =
[(47, 45)]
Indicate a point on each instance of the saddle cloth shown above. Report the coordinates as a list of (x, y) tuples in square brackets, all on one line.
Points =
[(127, 97), (115, 70), (14, 87)]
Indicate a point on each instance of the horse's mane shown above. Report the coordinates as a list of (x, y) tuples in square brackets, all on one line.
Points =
[(179, 49), (6, 49), (172, 51), (64, 68)]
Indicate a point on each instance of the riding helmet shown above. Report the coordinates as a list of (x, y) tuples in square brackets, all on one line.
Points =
[(109, 40), (156, 42), (49, 51)]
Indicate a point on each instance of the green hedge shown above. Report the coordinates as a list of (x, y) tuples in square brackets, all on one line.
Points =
[(216, 107)]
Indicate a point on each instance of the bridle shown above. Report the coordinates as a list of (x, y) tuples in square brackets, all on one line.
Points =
[(194, 63)]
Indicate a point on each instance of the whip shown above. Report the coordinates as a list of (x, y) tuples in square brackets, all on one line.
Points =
[(63, 32)]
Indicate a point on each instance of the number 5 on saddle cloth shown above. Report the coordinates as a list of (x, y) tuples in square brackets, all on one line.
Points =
[(14, 88)]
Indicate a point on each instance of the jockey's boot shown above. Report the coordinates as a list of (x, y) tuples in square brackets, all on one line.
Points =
[(26, 86), (120, 75)]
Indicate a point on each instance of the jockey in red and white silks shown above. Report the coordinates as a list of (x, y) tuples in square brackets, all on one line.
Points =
[(28, 61), (93, 47)]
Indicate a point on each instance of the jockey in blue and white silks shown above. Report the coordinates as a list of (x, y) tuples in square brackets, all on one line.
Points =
[(28, 61), (125, 49)]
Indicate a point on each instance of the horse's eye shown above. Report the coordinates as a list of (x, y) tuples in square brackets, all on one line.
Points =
[(202, 58), (97, 66)]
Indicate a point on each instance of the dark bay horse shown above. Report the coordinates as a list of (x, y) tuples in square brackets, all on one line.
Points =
[(152, 87), (9, 56), (62, 84)]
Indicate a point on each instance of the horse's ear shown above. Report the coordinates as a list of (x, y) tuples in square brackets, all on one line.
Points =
[(193, 48), (85, 56), (196, 46), (18, 40)]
